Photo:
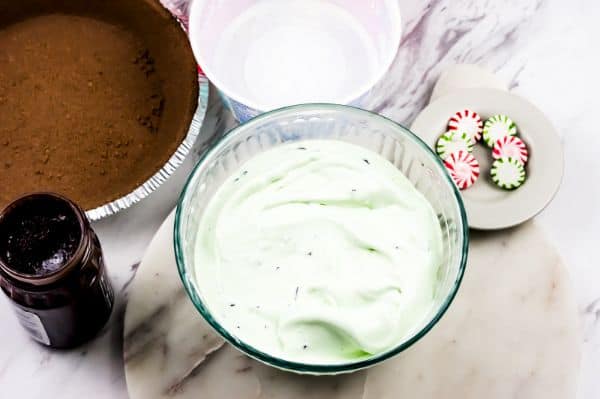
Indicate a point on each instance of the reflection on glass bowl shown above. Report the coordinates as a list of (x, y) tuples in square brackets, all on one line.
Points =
[(325, 122)]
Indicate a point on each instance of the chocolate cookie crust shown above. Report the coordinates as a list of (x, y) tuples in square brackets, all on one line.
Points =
[(95, 96)]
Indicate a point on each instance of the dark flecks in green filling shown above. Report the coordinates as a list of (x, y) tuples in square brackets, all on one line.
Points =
[(237, 179), (296, 294), (232, 305), (340, 203), (367, 161), (305, 346), (309, 254), (302, 148)]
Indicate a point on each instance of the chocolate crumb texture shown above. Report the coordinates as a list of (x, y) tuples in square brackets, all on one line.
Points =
[(109, 107)]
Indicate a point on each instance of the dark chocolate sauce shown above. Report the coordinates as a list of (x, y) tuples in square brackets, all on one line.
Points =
[(38, 239), (52, 269)]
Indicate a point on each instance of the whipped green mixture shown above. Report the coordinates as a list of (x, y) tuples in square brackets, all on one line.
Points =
[(320, 252)]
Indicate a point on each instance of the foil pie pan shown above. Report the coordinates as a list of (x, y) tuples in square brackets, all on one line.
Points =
[(180, 154)]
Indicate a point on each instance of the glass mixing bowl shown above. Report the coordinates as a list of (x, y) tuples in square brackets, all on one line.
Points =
[(332, 122)]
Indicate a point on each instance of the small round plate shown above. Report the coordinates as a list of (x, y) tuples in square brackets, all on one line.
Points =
[(489, 207)]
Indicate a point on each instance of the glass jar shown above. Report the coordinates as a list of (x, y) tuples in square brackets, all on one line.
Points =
[(52, 270)]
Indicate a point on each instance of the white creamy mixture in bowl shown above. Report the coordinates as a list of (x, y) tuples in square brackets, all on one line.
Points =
[(321, 238)]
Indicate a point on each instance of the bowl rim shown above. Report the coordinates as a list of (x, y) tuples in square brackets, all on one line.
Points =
[(195, 31), (298, 367)]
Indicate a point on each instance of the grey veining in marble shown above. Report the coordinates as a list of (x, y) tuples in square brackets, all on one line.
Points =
[(511, 332), (545, 49)]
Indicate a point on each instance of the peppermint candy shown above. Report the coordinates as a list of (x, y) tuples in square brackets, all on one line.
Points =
[(497, 127), (451, 142), (468, 122), (511, 147), (508, 173), (463, 168)]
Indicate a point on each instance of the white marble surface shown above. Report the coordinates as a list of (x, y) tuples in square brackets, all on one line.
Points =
[(511, 331), (547, 49)]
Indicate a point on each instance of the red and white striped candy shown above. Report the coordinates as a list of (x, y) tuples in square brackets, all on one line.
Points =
[(469, 122), (463, 168), (511, 147)]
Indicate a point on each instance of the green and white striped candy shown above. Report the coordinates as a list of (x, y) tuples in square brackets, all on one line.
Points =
[(452, 142), (508, 173), (497, 127)]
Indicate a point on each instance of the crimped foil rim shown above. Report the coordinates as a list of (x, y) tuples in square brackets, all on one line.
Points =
[(168, 169), (184, 149)]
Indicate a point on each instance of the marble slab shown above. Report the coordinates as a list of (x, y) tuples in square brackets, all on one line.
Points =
[(510, 333), (466, 76)]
